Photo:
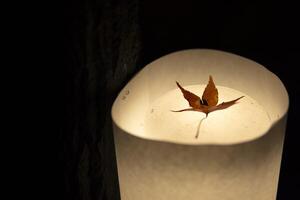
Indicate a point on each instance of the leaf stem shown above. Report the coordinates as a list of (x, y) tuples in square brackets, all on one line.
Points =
[(198, 128)]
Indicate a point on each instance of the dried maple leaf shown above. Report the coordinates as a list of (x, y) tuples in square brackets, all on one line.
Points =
[(209, 100)]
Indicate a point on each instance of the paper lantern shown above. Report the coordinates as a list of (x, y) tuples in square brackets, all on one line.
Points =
[(238, 150)]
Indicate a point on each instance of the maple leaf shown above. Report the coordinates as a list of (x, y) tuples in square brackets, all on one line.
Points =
[(209, 100)]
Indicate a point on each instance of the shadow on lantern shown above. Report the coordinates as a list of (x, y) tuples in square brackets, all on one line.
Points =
[(238, 152)]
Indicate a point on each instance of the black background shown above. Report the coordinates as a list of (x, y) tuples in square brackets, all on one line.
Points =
[(101, 34)]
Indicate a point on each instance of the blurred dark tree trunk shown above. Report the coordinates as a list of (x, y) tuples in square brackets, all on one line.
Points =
[(102, 43)]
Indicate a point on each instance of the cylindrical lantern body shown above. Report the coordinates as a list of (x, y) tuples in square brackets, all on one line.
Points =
[(155, 168)]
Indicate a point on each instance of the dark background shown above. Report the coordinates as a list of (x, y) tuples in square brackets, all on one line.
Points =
[(106, 42)]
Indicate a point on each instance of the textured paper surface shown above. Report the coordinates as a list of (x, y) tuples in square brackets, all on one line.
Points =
[(154, 168)]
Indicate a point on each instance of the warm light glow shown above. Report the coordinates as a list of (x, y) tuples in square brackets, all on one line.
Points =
[(241, 122), (154, 87), (152, 163)]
